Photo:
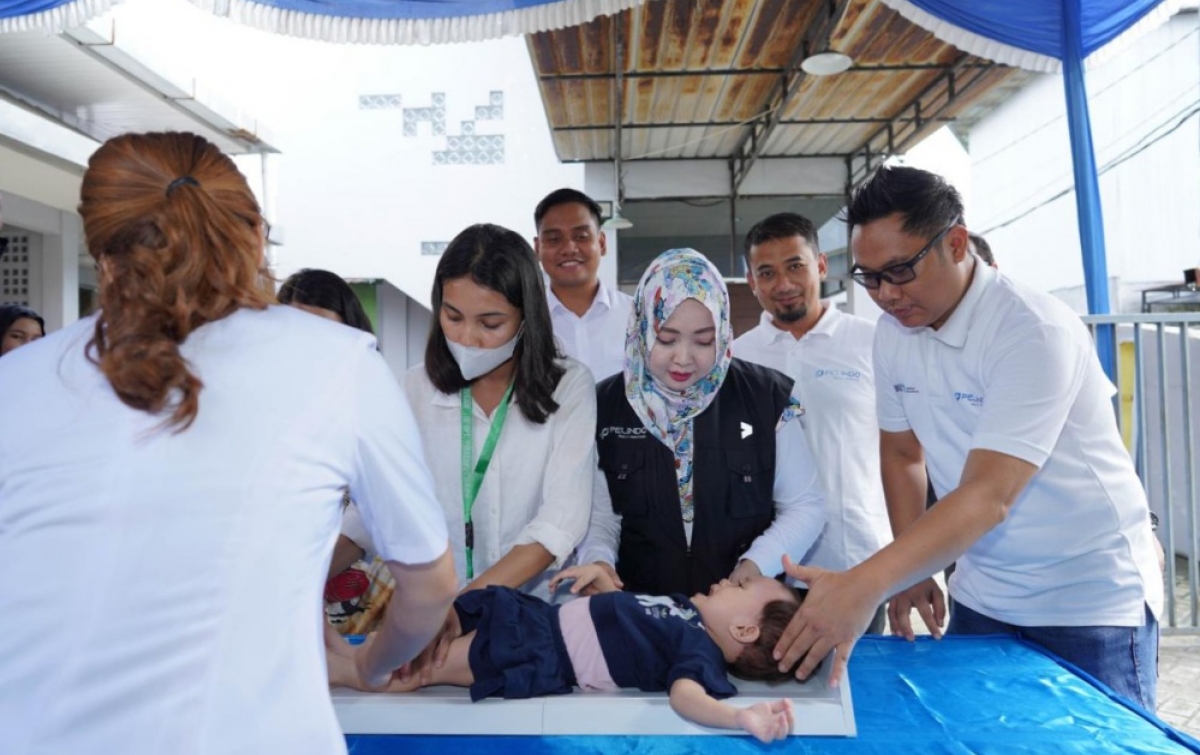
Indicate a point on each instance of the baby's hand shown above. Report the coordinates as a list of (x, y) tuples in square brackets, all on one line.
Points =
[(590, 579), (767, 721)]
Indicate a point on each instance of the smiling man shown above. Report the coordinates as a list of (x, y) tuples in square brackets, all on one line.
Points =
[(828, 354), (998, 391), (589, 319)]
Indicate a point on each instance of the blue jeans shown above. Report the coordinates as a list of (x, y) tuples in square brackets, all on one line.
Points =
[(1124, 658)]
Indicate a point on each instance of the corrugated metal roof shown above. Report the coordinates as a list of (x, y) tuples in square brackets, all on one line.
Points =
[(701, 76)]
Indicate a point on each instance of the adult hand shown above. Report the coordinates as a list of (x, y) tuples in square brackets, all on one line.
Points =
[(340, 661), (590, 579), (834, 615), (347, 666), (345, 663), (767, 721), (744, 570), (434, 655), (927, 598)]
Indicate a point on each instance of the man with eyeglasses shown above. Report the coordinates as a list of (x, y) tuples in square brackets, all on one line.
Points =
[(997, 390)]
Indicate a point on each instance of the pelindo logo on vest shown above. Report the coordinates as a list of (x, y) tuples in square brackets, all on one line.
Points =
[(622, 432)]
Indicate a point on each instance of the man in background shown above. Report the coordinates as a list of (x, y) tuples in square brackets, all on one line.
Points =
[(828, 354), (589, 318)]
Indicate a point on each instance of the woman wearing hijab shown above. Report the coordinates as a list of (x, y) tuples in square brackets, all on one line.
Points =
[(703, 456)]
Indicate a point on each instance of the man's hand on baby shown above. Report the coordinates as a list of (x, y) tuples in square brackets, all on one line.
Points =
[(767, 721), (590, 579)]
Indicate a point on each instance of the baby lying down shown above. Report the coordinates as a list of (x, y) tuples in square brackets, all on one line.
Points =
[(517, 646)]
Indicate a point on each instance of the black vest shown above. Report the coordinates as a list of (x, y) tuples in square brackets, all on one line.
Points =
[(733, 485)]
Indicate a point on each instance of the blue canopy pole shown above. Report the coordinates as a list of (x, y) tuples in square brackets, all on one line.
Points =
[(1087, 184)]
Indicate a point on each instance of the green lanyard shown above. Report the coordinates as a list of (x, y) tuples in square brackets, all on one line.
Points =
[(472, 475)]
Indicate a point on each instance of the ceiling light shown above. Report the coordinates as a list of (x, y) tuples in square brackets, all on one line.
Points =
[(616, 223), (826, 63)]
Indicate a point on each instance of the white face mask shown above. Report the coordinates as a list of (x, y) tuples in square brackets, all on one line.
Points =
[(474, 362)]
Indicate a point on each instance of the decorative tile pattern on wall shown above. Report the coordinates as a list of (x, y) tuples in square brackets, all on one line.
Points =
[(379, 101), (14, 271), (433, 248), (464, 148), (435, 115), (469, 148), (493, 111)]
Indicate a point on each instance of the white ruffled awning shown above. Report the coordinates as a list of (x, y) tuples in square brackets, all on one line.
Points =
[(397, 22)]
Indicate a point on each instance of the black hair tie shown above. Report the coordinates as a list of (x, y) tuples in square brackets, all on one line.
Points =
[(181, 181)]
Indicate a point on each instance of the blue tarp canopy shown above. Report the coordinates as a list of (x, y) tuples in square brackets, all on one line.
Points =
[(1053, 35), (350, 21)]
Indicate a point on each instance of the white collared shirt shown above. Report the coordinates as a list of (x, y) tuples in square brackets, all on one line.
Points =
[(831, 365), (598, 338), (1015, 371), (538, 487)]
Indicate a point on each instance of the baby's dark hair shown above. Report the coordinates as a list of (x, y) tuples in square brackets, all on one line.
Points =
[(757, 662)]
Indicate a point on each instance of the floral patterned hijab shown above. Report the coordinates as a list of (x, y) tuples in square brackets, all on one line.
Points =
[(673, 278)]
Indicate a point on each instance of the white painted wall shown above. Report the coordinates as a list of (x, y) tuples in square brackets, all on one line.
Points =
[(1144, 119), (50, 185), (403, 328), (352, 193)]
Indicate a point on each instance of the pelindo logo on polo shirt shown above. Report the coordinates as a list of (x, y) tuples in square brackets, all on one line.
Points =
[(902, 388), (974, 399), (836, 374), (622, 432)]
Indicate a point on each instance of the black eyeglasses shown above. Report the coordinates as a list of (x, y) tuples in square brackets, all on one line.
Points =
[(901, 272)]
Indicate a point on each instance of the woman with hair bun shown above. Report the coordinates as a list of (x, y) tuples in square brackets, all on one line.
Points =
[(178, 478)]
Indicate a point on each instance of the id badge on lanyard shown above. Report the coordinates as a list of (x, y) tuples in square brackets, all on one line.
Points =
[(472, 474)]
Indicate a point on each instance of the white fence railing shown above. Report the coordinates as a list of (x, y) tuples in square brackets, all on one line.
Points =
[(1158, 409)]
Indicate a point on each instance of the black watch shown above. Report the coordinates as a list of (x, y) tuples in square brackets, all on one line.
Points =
[(1153, 522)]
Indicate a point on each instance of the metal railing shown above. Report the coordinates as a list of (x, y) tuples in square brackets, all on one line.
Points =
[(1159, 421)]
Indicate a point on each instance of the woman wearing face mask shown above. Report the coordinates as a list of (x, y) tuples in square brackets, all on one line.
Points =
[(703, 456), (508, 424)]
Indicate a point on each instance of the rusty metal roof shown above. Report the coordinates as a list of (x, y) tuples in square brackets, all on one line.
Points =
[(713, 79)]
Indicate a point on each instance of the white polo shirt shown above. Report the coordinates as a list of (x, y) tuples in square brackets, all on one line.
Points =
[(1014, 371), (831, 365), (598, 338), (538, 487)]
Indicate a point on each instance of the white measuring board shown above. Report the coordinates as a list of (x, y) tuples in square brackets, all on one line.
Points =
[(819, 711)]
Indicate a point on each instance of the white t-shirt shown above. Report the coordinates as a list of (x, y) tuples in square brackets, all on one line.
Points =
[(835, 383), (538, 487), (598, 338), (163, 590), (1015, 371)]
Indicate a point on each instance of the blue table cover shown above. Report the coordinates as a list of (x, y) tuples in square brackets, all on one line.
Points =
[(960, 695)]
